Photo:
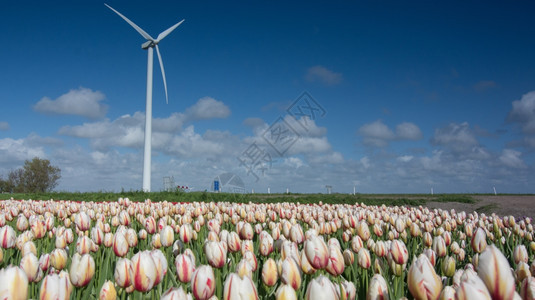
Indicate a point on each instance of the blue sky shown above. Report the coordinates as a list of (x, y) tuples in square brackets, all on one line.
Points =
[(415, 95)]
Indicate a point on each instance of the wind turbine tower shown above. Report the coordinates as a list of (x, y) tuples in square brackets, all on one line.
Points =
[(149, 45)]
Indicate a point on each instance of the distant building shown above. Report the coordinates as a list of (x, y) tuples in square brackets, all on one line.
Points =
[(228, 183)]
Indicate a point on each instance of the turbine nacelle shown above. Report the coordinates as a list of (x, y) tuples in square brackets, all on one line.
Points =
[(148, 44)]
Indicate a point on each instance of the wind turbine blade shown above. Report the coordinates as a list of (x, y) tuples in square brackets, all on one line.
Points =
[(163, 73), (137, 28), (168, 31)]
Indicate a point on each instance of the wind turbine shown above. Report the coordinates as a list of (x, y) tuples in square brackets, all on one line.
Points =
[(149, 45)]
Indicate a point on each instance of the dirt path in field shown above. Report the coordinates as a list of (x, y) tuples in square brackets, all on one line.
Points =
[(503, 205)]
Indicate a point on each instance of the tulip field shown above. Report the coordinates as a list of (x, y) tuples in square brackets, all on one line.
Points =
[(59, 249)]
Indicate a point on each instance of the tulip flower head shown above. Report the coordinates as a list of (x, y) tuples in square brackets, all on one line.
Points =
[(13, 283), (377, 288), (494, 270), (203, 283), (108, 292), (285, 292), (145, 272), (239, 288), (422, 279), (56, 287), (321, 288), (82, 269)]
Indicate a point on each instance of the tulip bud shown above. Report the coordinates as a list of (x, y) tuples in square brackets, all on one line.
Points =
[(56, 287), (82, 269), (58, 259), (285, 292), (107, 292), (7, 237), (439, 246), (83, 245), (522, 271), (184, 268), (30, 265), (176, 293), (377, 289), (479, 240), (167, 236), (527, 289), (124, 272), (14, 283), (349, 257), (448, 266), (494, 270), (216, 254), (290, 273), (269, 272), (399, 252), (422, 280), (316, 252), (448, 293), (239, 288), (203, 283), (347, 290), (320, 288), (520, 254), (160, 262), (145, 272)]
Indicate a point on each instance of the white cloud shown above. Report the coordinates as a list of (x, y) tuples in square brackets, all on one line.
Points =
[(81, 102), (207, 108), (13, 153), (4, 126), (378, 134), (405, 158), (323, 75), (408, 131), (511, 158), (523, 113), (456, 136)]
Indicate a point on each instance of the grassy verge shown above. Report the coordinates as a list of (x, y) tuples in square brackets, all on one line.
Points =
[(178, 196)]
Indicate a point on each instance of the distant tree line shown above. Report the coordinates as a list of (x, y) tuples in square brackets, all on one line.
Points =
[(36, 176)]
